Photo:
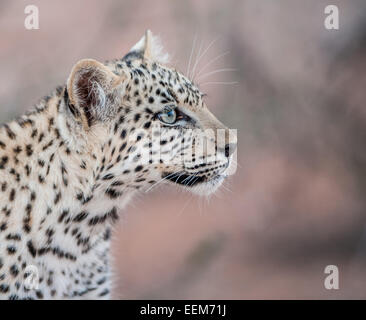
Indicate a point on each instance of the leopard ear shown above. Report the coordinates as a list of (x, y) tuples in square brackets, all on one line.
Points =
[(90, 89), (148, 48)]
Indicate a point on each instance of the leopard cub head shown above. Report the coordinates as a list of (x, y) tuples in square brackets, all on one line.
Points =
[(146, 123)]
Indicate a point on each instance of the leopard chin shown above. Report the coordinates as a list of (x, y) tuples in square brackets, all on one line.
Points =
[(209, 186)]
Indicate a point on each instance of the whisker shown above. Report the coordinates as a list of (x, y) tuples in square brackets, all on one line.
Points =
[(191, 55), (161, 180), (217, 71), (212, 61), (193, 181), (218, 82), (201, 56), (197, 57), (226, 188), (186, 178), (181, 173), (185, 206), (191, 178)]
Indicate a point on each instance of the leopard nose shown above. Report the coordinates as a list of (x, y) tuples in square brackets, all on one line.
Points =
[(229, 149)]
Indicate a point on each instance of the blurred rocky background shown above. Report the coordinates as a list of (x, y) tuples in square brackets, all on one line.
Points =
[(297, 97)]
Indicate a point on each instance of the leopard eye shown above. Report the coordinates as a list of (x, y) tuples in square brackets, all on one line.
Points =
[(168, 116)]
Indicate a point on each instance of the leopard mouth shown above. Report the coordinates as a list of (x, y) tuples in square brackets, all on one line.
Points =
[(191, 180), (185, 179)]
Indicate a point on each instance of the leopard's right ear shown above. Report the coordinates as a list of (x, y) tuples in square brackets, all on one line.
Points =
[(91, 90), (148, 48)]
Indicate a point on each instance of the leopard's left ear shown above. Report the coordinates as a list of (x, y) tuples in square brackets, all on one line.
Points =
[(92, 91), (148, 48)]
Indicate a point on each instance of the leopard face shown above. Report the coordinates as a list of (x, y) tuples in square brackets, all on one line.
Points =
[(149, 121)]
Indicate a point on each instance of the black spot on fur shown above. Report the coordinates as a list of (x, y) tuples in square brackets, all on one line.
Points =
[(32, 250), (137, 117), (14, 271), (138, 168), (81, 216), (11, 249), (113, 194)]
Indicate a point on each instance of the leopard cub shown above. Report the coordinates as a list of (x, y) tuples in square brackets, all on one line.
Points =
[(68, 166)]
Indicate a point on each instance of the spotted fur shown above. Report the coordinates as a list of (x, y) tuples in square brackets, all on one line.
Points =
[(71, 164)]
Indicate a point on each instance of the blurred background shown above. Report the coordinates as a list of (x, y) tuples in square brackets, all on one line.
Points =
[(297, 97)]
